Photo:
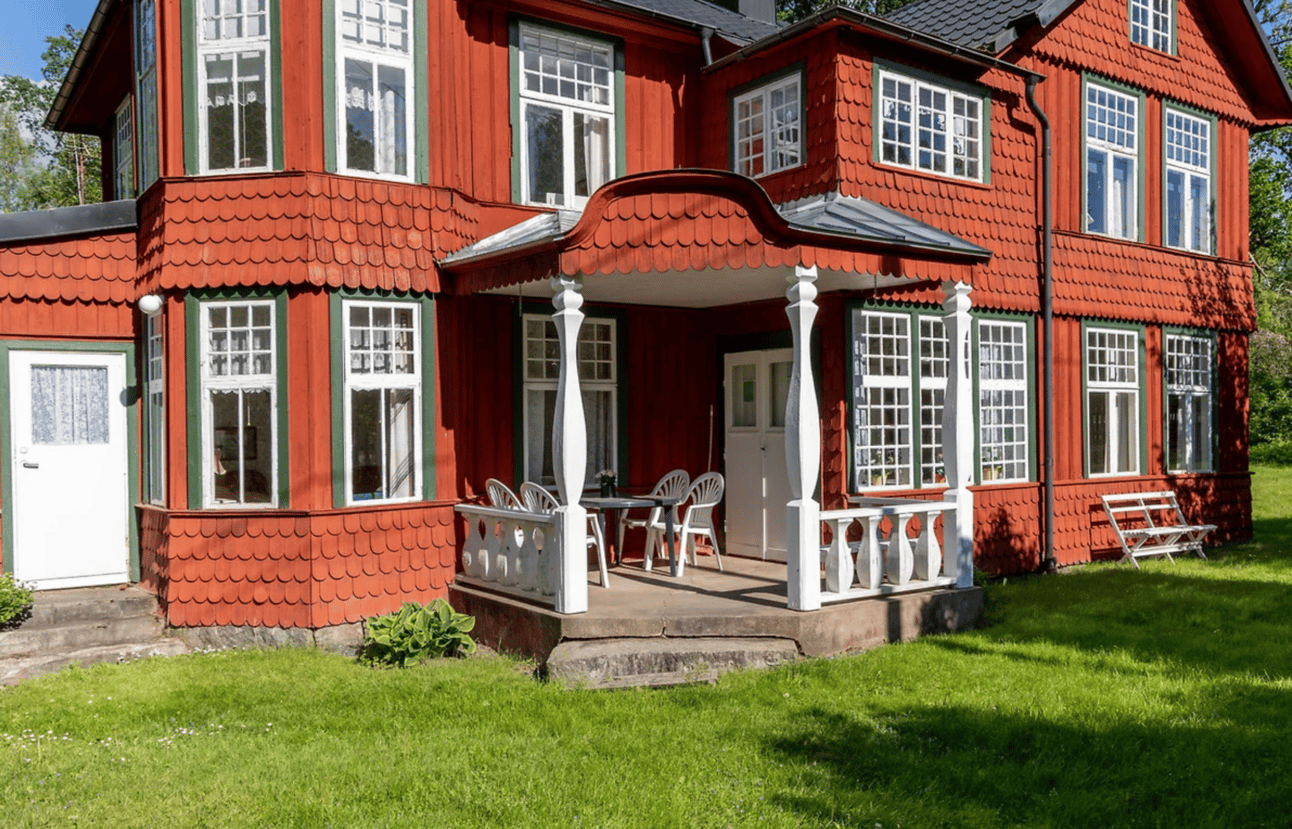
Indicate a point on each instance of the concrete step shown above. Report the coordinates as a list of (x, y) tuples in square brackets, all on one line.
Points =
[(16, 668), (52, 608), (30, 641), (656, 662)]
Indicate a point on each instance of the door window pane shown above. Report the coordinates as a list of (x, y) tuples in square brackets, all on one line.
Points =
[(744, 396), (69, 405), (780, 379)]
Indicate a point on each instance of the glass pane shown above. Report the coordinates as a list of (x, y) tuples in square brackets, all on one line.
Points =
[(780, 378), (1198, 218), (744, 396), (365, 444), (219, 112), (252, 137), (400, 461), (359, 122), (1127, 432), (1174, 208), (545, 143), (392, 105), (1097, 406), (1096, 207), (1123, 197), (591, 153), (69, 405), (242, 446)]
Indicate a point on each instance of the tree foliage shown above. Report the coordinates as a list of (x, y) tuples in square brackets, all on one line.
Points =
[(43, 168), (792, 11)]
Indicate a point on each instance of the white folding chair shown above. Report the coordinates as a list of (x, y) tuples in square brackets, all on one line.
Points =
[(537, 499), (705, 494), (672, 485)]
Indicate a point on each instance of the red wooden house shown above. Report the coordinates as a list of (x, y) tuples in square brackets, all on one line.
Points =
[(372, 253)]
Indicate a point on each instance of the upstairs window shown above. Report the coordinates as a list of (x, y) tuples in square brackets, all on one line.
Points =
[(929, 127), (233, 45), (146, 91), (766, 123), (123, 151), (1189, 383), (1187, 220), (375, 87), (566, 91), (1112, 162), (1151, 24)]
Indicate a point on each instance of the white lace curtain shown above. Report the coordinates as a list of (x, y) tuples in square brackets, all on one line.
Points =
[(69, 405)]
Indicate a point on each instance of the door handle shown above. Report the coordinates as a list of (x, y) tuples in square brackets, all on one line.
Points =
[(30, 465)]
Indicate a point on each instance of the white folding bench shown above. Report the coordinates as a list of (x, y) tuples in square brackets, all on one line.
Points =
[(1151, 524)]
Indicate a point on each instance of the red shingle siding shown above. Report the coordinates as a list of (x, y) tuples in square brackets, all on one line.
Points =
[(91, 269)]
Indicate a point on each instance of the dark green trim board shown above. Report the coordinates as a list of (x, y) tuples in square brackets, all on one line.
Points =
[(513, 75), (798, 68), (329, 86), (420, 156), (1142, 353), (1087, 80), (188, 60), (983, 94), (336, 314), (127, 349), (1211, 119), (193, 387), (545, 309), (276, 162)]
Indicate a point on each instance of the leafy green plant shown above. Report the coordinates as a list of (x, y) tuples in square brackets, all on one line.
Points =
[(416, 632), (15, 600)]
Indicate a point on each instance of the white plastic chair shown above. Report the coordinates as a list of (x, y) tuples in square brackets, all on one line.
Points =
[(537, 499), (500, 495), (705, 494), (673, 485)]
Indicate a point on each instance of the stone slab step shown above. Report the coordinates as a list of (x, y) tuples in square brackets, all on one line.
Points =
[(17, 668), (51, 608), (28, 640), (657, 662)]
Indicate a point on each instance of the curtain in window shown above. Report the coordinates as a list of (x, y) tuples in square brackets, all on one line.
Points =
[(593, 169), (69, 405), (599, 415)]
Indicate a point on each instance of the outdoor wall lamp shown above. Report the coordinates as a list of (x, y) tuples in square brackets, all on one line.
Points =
[(150, 304)]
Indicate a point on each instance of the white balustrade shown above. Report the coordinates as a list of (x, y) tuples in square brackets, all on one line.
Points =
[(876, 565), (512, 548)]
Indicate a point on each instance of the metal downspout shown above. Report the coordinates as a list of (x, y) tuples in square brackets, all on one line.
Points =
[(1047, 320), (706, 36)]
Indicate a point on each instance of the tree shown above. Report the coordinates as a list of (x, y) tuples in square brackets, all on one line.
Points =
[(17, 163), (792, 11)]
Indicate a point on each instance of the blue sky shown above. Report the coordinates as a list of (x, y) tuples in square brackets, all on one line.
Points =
[(24, 25)]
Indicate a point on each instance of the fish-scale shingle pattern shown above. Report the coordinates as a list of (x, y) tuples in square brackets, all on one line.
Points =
[(98, 269), (1101, 278), (310, 229), (1007, 528), (1000, 216), (1094, 37), (304, 570)]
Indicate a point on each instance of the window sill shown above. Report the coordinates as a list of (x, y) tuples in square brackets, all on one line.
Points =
[(938, 177)]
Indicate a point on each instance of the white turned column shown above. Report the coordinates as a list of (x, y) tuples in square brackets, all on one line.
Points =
[(569, 454), (957, 435), (803, 451)]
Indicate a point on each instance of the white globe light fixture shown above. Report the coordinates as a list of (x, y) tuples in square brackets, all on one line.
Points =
[(151, 305)]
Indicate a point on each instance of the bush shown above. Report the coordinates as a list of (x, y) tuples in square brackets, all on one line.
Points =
[(416, 632), (15, 600), (1272, 454)]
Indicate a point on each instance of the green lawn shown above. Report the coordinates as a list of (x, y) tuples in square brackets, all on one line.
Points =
[(1104, 696)]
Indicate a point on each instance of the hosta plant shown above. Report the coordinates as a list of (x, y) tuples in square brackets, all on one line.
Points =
[(416, 632), (15, 600)]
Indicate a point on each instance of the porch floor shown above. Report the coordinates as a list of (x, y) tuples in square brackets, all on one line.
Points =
[(747, 600)]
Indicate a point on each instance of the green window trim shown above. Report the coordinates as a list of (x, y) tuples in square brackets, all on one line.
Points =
[(799, 69), (1033, 436), (133, 492), (1087, 80), (1142, 352), (192, 97), (620, 319), (949, 84), (336, 314), (420, 151), (1213, 337), (193, 390), (513, 75), (1211, 119)]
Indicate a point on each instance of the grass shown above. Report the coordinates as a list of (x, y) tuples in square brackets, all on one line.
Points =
[(1104, 696)]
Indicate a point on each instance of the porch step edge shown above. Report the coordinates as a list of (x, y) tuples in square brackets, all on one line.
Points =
[(54, 609), (29, 641), (14, 669), (658, 662)]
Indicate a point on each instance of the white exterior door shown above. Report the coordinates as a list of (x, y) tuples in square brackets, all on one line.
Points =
[(756, 386), (70, 472)]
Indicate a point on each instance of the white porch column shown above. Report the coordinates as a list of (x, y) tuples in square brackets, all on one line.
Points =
[(803, 451), (569, 454), (957, 435)]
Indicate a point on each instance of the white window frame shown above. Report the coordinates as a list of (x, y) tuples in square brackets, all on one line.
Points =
[(262, 381), (123, 150), (155, 407), (1004, 432), (598, 373), (568, 105), (1189, 374), (409, 379), (1187, 152), (381, 42), (935, 368), (1151, 23), (1112, 122), (146, 138), (1113, 371), (930, 127), (767, 135), (237, 48)]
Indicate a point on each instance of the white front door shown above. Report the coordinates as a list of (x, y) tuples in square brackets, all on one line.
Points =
[(756, 387), (70, 472)]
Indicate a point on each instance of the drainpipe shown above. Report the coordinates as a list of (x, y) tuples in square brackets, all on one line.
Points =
[(1050, 565), (706, 35)]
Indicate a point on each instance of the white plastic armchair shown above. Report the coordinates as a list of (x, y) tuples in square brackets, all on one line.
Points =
[(535, 498), (705, 494), (673, 485), (500, 495)]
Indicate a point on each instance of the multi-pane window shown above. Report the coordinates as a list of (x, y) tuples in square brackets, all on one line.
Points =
[(1112, 401), (567, 116), (146, 90), (383, 422), (233, 45), (1002, 401), (897, 406), (155, 409), (1112, 162), (123, 151), (767, 128), (929, 127), (598, 373), (1187, 220), (1150, 23), (1188, 403), (239, 369), (376, 89)]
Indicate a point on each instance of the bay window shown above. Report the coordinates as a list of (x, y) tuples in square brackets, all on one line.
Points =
[(1189, 384), (766, 127), (1113, 374), (1188, 147), (233, 44), (123, 151), (146, 91), (1112, 162), (375, 87), (154, 410)]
